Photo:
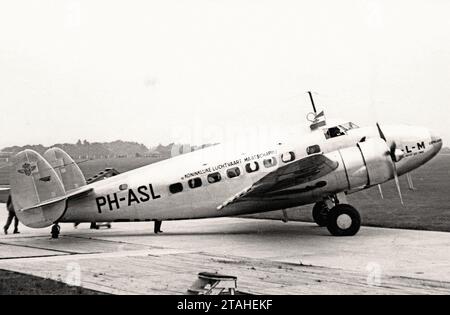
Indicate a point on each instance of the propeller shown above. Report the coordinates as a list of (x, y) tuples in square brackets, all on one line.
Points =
[(396, 155), (382, 136), (381, 191), (410, 182)]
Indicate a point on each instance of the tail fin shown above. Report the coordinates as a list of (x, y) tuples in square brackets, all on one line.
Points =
[(68, 171), (37, 192)]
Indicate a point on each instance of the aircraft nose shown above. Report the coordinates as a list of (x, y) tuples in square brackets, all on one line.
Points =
[(436, 141)]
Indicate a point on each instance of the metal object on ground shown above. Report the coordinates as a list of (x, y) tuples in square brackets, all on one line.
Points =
[(213, 284)]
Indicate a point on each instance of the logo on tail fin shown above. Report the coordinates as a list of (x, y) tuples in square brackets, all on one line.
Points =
[(27, 169)]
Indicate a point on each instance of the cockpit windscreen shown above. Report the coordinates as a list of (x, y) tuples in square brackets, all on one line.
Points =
[(339, 130)]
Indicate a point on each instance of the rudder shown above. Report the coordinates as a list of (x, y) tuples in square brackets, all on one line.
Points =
[(67, 170), (33, 181)]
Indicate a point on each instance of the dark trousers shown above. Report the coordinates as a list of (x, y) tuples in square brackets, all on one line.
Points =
[(158, 226), (12, 216)]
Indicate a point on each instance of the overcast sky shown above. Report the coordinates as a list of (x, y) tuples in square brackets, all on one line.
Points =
[(204, 70)]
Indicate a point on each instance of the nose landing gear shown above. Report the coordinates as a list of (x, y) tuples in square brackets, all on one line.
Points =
[(340, 220)]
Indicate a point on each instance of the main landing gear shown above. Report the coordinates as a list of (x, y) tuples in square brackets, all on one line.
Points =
[(320, 213), (340, 220), (55, 231)]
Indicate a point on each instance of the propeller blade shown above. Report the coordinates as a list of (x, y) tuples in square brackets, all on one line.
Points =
[(410, 182), (392, 153), (381, 192), (382, 136), (394, 156), (393, 148), (397, 183)]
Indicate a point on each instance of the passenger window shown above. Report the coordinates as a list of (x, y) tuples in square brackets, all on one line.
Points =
[(252, 167), (233, 172), (176, 188), (313, 149), (214, 178), (270, 162), (195, 182), (288, 157), (123, 187)]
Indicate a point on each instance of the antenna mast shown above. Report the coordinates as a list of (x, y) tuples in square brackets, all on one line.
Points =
[(312, 102), (317, 119)]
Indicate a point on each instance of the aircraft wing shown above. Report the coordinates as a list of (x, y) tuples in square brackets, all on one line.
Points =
[(4, 193), (299, 172)]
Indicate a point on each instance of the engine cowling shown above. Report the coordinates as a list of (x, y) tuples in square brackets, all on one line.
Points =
[(367, 164)]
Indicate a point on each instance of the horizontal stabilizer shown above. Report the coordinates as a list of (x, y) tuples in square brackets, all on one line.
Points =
[(44, 204), (72, 195), (80, 193)]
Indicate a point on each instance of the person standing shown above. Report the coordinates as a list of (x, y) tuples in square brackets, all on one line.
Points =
[(11, 216), (158, 226)]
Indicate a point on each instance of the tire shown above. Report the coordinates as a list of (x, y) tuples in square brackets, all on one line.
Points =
[(343, 220), (320, 213)]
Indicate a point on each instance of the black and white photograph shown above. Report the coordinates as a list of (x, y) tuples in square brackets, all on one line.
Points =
[(244, 149)]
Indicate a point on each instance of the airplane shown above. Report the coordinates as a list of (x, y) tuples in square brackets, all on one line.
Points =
[(320, 167)]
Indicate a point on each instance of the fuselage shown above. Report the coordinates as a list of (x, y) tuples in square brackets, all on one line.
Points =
[(194, 185)]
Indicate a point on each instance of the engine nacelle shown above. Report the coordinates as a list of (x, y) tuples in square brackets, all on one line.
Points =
[(361, 166), (367, 164)]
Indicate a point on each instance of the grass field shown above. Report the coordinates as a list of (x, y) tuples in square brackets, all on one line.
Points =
[(92, 167), (426, 208)]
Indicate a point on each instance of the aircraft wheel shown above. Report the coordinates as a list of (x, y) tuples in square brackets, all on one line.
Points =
[(343, 220), (55, 231), (320, 213)]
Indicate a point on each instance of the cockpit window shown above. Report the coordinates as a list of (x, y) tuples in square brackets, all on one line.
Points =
[(334, 132), (349, 126), (339, 130)]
